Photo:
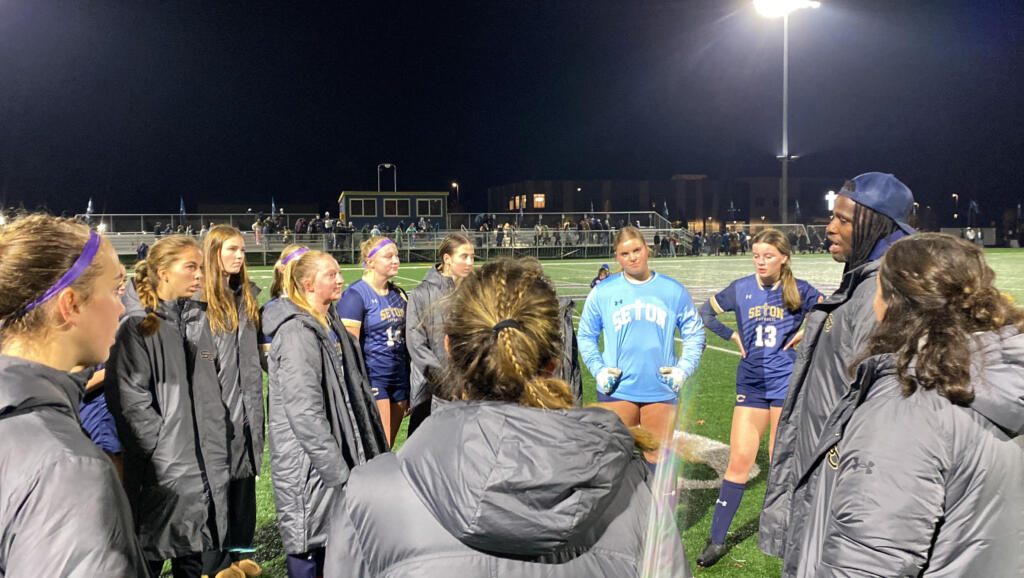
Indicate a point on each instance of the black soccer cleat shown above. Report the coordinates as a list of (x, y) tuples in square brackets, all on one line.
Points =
[(712, 553)]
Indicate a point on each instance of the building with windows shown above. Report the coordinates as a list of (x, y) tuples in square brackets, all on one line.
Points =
[(696, 201), (390, 209)]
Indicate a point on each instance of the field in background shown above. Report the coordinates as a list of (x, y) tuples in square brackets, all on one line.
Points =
[(707, 413)]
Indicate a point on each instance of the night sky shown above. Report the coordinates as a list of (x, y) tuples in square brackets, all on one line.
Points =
[(137, 103)]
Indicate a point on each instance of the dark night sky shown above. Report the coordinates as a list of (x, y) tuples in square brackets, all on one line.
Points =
[(136, 103)]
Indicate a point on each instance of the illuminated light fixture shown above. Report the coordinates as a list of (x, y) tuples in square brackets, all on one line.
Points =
[(780, 8)]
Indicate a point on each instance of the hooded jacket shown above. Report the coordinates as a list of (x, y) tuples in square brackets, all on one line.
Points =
[(424, 332), (498, 489), (323, 420), (820, 390), (918, 486), (62, 509), (165, 397), (241, 381)]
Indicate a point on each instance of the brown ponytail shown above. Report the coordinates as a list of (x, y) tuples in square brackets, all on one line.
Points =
[(162, 255)]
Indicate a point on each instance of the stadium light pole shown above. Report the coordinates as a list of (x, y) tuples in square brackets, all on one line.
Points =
[(394, 174), (782, 9)]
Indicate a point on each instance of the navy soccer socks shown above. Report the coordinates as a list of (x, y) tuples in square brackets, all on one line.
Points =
[(725, 508)]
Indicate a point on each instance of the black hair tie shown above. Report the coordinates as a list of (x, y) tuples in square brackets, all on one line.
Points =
[(505, 323)]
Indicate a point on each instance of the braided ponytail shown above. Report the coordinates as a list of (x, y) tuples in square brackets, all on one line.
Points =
[(162, 255), (504, 339)]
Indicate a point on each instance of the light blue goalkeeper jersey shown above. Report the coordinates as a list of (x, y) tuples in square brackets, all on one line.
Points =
[(639, 321)]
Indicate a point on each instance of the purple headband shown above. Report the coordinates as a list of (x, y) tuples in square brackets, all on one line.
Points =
[(294, 255), (92, 246), (379, 246)]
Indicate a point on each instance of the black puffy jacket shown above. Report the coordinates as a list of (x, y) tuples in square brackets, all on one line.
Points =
[(165, 397)]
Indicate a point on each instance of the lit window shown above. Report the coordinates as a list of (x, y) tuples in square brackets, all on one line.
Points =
[(539, 201)]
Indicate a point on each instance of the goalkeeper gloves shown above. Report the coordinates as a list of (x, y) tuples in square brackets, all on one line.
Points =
[(673, 377), (608, 379)]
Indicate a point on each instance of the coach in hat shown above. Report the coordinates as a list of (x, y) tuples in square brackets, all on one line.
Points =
[(870, 215)]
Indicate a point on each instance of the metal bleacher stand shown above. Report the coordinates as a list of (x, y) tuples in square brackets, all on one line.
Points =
[(540, 235)]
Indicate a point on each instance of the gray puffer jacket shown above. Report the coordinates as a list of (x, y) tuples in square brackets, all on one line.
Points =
[(323, 420), (821, 391), (918, 486), (497, 489), (424, 332), (165, 398), (241, 381), (62, 509)]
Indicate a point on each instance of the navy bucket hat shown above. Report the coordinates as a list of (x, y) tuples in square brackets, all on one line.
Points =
[(885, 194)]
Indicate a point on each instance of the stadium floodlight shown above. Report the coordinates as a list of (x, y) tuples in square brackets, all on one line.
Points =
[(394, 174), (782, 9)]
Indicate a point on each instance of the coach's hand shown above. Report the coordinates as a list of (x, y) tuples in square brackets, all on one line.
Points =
[(608, 379), (673, 376)]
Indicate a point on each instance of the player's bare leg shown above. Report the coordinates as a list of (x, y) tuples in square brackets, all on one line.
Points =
[(398, 409), (627, 411), (748, 427), (657, 418)]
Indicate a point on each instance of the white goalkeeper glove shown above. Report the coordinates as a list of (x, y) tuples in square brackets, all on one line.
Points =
[(608, 379), (673, 377)]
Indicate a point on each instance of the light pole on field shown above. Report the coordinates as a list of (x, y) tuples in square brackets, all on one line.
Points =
[(782, 9)]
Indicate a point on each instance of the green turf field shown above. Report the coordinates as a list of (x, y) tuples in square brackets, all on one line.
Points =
[(706, 410)]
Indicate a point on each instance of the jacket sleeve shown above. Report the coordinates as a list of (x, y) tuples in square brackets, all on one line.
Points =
[(60, 531), (417, 334), (127, 387), (691, 330), (301, 381), (888, 496), (710, 309), (588, 333)]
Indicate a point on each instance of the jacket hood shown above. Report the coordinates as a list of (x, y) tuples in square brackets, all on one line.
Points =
[(26, 385), (436, 279), (997, 377), (279, 310), (997, 373), (514, 480), (132, 304)]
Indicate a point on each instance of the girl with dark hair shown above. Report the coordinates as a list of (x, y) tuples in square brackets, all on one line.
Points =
[(425, 320), (63, 510), (924, 475), (233, 315), (373, 311), (323, 420), (162, 388), (508, 481), (770, 307), (638, 374)]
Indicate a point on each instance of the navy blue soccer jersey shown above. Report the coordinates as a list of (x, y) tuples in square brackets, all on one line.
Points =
[(765, 326), (381, 323)]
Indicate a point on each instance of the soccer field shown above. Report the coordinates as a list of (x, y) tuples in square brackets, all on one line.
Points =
[(706, 410)]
